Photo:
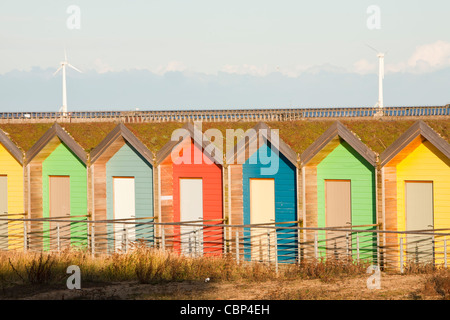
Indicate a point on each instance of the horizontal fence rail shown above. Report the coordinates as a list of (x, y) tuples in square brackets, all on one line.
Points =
[(227, 115), (272, 243)]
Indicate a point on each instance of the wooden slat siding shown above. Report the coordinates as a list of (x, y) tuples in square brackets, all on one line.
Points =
[(62, 161), (12, 169), (156, 197), (390, 194), (300, 196), (310, 190), (418, 128), (35, 205), (285, 193), (166, 214), (100, 205), (211, 175), (99, 202), (310, 196), (345, 163), (237, 204), (212, 185), (128, 162), (122, 153), (426, 163)]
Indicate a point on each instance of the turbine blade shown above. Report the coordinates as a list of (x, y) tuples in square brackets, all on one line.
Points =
[(74, 68), (372, 48), (57, 71)]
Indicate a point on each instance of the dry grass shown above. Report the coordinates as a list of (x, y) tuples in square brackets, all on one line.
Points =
[(147, 273), (438, 285)]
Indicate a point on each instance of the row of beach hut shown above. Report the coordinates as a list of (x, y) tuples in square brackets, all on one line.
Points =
[(336, 182)]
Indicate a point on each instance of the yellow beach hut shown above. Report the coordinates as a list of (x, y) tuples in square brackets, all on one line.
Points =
[(11, 193), (416, 198)]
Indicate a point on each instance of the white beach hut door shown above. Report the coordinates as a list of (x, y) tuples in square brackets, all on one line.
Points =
[(124, 208), (191, 209), (419, 216), (262, 210)]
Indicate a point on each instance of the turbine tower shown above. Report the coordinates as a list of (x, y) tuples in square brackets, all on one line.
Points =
[(380, 56), (64, 89)]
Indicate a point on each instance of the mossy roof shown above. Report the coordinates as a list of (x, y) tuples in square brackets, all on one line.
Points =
[(376, 134)]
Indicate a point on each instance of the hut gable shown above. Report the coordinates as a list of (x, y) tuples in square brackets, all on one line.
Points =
[(50, 141), (411, 139), (329, 140), (260, 135), (115, 140), (189, 133)]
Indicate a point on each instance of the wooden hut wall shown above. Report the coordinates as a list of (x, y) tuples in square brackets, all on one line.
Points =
[(211, 175), (11, 172), (63, 162)]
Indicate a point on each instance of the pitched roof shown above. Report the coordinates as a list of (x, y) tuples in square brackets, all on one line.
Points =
[(420, 128), (56, 131), (121, 131), (260, 130), (11, 147), (337, 129), (191, 131)]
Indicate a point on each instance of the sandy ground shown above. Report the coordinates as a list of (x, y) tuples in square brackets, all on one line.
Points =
[(393, 287)]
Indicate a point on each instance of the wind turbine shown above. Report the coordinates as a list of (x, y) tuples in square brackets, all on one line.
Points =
[(380, 56), (64, 90)]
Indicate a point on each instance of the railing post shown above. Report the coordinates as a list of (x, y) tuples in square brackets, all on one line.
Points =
[(348, 244), (276, 252), (432, 253), (445, 252), (316, 246), (92, 241), (25, 236), (401, 254), (195, 244), (58, 238), (268, 245), (163, 238), (189, 243), (357, 246), (299, 247), (125, 238), (237, 246), (378, 249)]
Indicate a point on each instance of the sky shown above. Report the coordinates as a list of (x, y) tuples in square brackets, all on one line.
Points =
[(207, 54)]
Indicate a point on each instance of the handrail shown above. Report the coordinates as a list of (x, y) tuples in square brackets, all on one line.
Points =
[(277, 114)]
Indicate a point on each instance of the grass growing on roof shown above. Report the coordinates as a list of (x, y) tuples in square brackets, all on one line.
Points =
[(25, 135), (299, 134)]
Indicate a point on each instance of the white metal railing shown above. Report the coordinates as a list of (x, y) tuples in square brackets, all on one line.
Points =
[(230, 115), (269, 243)]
